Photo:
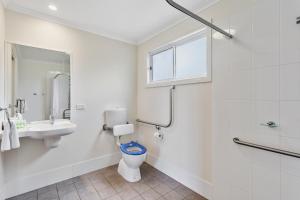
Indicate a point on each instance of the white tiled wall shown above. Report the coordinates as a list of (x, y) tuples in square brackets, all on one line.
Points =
[(256, 78)]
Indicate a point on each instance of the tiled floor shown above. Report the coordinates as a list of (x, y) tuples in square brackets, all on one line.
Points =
[(107, 184)]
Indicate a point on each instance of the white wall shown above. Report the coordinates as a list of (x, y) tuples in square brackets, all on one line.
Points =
[(103, 74), (2, 34), (256, 79), (185, 153)]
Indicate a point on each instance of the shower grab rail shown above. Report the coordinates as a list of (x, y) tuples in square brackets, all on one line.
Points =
[(270, 149), (196, 17), (158, 125)]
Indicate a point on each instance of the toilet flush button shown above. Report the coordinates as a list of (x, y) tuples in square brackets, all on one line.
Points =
[(80, 107)]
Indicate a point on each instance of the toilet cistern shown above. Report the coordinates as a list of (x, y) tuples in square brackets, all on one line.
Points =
[(112, 117)]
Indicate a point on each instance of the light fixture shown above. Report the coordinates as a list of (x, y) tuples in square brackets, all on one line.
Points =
[(52, 7)]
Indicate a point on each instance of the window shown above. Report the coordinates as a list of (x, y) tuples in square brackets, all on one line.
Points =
[(163, 63), (186, 60)]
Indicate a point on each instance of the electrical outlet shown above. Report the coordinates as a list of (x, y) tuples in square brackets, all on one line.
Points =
[(80, 107)]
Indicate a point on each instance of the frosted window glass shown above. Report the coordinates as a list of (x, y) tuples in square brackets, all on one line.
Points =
[(191, 59), (162, 65)]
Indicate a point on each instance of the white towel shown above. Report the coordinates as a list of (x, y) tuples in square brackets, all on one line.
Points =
[(5, 143), (14, 136)]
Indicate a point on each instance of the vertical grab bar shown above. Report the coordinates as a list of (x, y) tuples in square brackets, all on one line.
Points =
[(158, 125)]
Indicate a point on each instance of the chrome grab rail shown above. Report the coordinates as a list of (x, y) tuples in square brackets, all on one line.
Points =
[(7, 114), (270, 149), (196, 17), (158, 125)]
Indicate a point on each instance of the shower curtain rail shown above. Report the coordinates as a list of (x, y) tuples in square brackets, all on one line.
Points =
[(62, 74), (158, 125), (196, 17), (270, 149)]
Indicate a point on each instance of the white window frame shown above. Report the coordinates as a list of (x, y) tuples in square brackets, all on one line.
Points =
[(172, 45)]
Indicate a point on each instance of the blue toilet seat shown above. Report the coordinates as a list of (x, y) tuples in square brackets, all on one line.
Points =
[(133, 148)]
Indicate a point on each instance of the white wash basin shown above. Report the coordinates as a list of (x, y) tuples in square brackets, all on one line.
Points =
[(50, 133), (44, 129)]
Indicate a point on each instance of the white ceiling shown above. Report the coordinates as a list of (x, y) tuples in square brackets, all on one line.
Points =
[(133, 21)]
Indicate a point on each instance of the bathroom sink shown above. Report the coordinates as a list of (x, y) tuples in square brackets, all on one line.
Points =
[(44, 129), (50, 133)]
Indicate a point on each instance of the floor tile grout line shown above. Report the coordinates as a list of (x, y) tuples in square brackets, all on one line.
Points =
[(149, 173), (95, 187), (57, 191), (117, 193), (79, 196)]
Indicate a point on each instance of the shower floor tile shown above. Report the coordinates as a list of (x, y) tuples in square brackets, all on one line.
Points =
[(107, 184)]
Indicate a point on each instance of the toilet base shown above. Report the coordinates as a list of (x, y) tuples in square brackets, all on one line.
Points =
[(129, 174)]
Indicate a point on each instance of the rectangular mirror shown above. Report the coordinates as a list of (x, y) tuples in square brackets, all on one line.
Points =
[(37, 82)]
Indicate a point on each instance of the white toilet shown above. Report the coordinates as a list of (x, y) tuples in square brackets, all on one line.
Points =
[(133, 153), (133, 156)]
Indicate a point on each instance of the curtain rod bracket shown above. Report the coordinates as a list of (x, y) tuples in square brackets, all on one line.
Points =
[(196, 17)]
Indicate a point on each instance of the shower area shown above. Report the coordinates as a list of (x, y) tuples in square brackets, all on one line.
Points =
[(58, 95)]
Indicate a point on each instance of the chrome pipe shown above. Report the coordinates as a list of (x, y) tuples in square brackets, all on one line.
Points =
[(106, 128), (171, 115), (196, 17), (265, 148)]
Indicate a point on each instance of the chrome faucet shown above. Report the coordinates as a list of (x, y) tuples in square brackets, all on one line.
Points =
[(52, 119)]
